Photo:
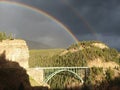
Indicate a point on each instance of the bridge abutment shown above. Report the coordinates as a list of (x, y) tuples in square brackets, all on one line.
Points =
[(37, 75)]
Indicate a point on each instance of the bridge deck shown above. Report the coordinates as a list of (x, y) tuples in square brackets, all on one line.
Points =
[(61, 68)]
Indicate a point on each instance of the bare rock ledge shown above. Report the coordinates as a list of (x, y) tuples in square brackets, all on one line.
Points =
[(15, 50)]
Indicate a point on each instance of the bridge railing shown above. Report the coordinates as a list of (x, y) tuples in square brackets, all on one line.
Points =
[(61, 67)]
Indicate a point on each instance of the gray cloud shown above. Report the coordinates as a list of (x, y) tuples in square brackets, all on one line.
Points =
[(102, 15), (111, 40), (31, 25), (84, 17)]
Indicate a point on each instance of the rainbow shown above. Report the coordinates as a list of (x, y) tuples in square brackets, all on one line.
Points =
[(90, 28), (41, 12)]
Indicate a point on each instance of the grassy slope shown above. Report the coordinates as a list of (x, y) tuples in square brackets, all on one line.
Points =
[(38, 57), (45, 52)]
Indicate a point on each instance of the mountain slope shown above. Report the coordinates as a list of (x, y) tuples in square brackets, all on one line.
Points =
[(103, 61), (82, 53), (87, 52)]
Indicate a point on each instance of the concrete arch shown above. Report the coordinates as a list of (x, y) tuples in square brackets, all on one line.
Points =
[(58, 71)]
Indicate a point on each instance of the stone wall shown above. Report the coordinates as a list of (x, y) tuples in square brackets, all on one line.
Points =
[(15, 50)]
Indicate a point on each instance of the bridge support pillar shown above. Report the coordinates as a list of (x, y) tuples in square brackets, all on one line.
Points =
[(37, 75)]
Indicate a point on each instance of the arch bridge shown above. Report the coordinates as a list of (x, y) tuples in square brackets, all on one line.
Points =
[(80, 73)]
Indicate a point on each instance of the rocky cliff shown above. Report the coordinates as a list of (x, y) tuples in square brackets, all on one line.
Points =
[(15, 50)]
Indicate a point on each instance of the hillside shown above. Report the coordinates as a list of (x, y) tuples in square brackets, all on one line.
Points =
[(39, 58), (103, 62), (84, 53), (94, 52)]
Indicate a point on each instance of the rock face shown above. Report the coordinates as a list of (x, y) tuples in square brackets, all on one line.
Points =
[(100, 45), (15, 50)]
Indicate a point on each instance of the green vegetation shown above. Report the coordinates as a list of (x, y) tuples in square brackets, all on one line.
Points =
[(44, 58), (41, 58), (69, 60), (83, 44), (94, 78), (53, 57), (92, 52), (62, 80), (77, 55), (105, 54), (98, 80), (109, 74), (4, 36)]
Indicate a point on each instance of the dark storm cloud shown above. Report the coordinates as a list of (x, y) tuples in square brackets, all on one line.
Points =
[(83, 17), (101, 15), (31, 25), (62, 12)]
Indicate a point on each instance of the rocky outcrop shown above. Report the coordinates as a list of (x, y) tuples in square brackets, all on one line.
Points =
[(100, 45), (15, 50)]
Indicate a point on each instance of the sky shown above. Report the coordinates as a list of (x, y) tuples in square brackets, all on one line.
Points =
[(39, 30), (87, 19)]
